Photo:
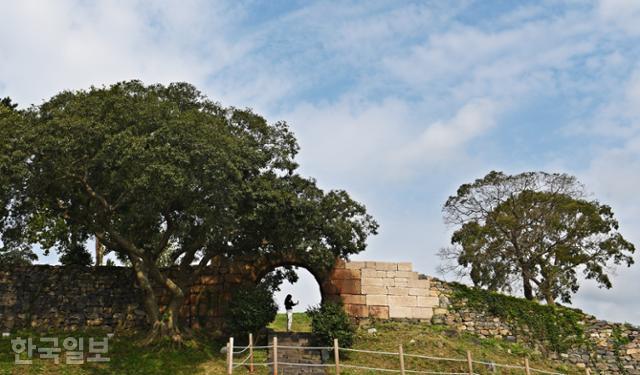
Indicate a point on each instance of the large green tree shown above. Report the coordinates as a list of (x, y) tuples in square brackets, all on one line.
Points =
[(535, 230), (162, 175), (13, 251)]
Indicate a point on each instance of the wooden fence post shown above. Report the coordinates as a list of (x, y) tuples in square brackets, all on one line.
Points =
[(527, 370), (401, 360), (251, 352), (275, 355), (230, 356), (470, 362), (227, 361), (336, 355)]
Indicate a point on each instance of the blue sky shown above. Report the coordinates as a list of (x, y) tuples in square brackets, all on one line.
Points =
[(396, 102)]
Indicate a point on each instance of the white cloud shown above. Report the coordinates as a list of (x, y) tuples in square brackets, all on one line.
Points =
[(49, 47), (623, 14), (515, 61), (617, 117), (348, 137), (441, 139), (388, 141)]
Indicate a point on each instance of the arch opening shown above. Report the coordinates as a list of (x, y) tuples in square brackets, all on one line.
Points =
[(304, 287)]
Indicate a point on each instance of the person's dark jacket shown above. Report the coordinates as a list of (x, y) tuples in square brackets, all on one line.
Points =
[(288, 303)]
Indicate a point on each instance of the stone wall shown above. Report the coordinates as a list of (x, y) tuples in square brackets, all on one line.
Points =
[(69, 298), (609, 348), (383, 290), (66, 298), (54, 297)]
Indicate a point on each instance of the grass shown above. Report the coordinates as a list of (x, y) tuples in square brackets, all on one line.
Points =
[(198, 356), (202, 356), (301, 323), (439, 341)]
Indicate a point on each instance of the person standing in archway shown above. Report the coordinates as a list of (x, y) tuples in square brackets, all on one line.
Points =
[(288, 305)]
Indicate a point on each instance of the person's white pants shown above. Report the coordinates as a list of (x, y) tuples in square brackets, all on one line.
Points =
[(289, 320)]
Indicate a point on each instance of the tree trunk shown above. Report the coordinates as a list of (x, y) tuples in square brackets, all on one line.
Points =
[(170, 322), (551, 301), (162, 327), (149, 296), (99, 252), (528, 290)]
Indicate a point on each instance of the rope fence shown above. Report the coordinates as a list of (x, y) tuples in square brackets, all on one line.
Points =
[(249, 360)]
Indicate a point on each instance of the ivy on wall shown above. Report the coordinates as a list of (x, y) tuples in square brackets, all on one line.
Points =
[(558, 328), (619, 341)]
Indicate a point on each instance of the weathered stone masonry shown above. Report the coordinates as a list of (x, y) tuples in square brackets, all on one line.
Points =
[(383, 290), (611, 348), (50, 297)]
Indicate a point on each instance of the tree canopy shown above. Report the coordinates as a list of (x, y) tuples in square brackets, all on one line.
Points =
[(8, 103), (536, 230), (13, 153), (162, 174)]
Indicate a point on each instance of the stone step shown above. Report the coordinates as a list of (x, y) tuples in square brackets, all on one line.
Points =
[(298, 356)]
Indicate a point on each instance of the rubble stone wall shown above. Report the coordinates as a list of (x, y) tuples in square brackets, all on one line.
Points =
[(608, 348), (67, 298)]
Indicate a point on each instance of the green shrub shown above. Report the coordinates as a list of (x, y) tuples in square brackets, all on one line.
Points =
[(250, 310), (329, 321)]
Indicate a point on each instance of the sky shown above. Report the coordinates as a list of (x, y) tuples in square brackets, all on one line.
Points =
[(396, 102)]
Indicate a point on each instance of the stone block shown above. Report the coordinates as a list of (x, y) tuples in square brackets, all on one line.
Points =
[(377, 299), (374, 289), (358, 311), (421, 312), (400, 312), (428, 301), (406, 301), (385, 266), (354, 265), (420, 283), (345, 274), (377, 281), (419, 292), (391, 274), (330, 288), (370, 265), (389, 282), (405, 266), (408, 275), (354, 299), (347, 286), (369, 272), (379, 312), (401, 281), (399, 291)]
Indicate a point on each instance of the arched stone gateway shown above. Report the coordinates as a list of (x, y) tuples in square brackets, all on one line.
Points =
[(108, 298), (380, 290)]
